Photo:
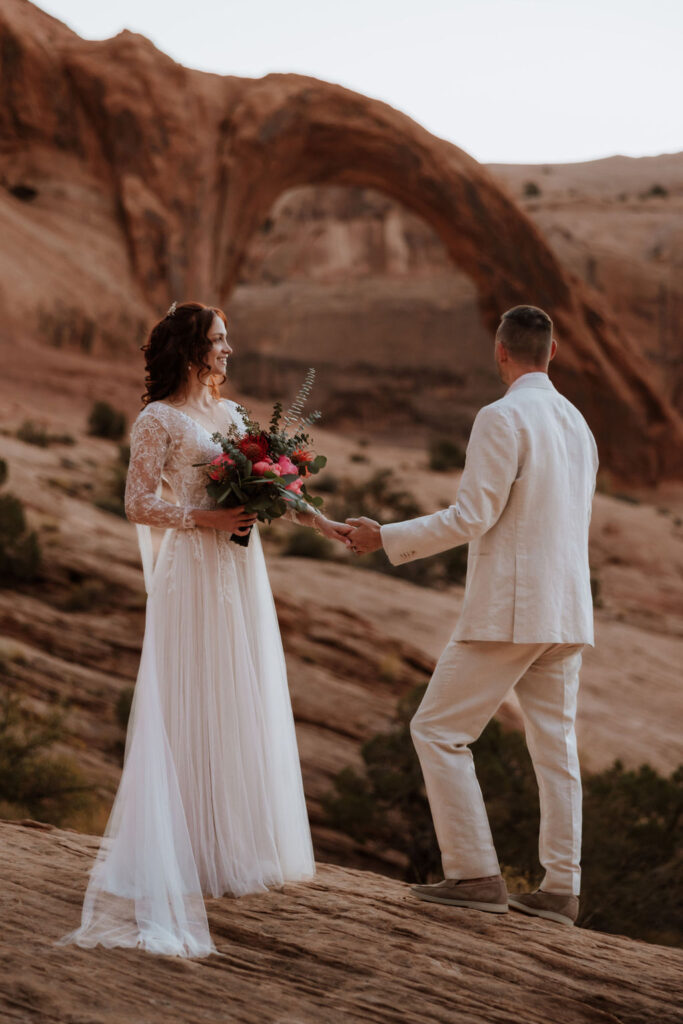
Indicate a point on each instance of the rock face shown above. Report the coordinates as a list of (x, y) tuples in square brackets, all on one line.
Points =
[(130, 180), (349, 946), (355, 640), (617, 223)]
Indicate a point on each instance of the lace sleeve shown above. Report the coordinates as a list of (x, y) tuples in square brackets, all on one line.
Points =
[(149, 444), (300, 518)]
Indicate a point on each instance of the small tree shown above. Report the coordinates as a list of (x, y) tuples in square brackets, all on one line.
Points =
[(20, 555), (105, 421), (33, 783), (445, 454)]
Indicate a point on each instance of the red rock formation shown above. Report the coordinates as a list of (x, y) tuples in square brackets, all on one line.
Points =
[(349, 946), (133, 180)]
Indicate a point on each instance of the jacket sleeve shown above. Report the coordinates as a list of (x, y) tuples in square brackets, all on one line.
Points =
[(149, 445), (491, 466)]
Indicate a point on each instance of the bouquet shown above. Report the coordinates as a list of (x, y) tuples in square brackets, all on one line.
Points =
[(266, 471)]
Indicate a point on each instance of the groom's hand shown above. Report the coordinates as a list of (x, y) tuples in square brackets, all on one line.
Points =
[(366, 536)]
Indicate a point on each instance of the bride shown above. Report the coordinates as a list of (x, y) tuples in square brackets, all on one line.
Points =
[(210, 799)]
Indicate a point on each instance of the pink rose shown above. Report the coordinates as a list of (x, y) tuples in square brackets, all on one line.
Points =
[(295, 485), (287, 466), (259, 468), (221, 463)]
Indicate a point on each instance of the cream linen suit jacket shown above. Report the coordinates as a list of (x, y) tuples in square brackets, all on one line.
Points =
[(524, 505)]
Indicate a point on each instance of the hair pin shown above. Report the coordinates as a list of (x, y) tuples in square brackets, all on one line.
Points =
[(172, 308)]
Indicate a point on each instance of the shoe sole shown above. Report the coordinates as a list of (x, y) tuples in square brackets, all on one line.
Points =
[(547, 915), (489, 908)]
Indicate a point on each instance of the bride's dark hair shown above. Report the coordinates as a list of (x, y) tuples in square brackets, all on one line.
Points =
[(177, 339)]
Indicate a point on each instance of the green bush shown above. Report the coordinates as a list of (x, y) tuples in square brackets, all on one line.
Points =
[(3, 471), (595, 592), (113, 500), (31, 433), (308, 544), (378, 497), (381, 498), (327, 483), (632, 825), (105, 421), (32, 783), (123, 705), (84, 596), (445, 454), (20, 555)]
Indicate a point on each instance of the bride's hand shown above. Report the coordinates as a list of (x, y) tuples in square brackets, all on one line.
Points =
[(233, 520), (332, 530)]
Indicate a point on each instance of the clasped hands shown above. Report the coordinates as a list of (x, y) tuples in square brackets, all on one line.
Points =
[(360, 535)]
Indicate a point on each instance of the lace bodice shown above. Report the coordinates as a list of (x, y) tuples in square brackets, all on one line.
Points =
[(164, 444)]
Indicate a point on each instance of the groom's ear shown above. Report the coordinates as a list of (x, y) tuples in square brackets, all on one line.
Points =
[(553, 349)]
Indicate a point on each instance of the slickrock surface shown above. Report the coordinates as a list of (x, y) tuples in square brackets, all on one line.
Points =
[(128, 180), (349, 946), (355, 640)]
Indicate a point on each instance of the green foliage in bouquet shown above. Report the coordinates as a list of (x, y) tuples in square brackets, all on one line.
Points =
[(266, 470)]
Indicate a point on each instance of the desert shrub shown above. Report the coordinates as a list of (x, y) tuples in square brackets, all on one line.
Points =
[(656, 190), (438, 571), (531, 189), (32, 433), (308, 544), (84, 596), (380, 497), (123, 705), (595, 592), (630, 499), (632, 827), (32, 782), (113, 500), (105, 421), (20, 555), (445, 454), (327, 483)]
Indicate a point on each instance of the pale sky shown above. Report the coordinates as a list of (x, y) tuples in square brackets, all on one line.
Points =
[(509, 81)]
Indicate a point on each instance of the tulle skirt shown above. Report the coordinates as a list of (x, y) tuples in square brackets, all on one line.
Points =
[(210, 800)]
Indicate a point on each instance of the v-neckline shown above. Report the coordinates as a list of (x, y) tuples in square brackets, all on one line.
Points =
[(191, 418)]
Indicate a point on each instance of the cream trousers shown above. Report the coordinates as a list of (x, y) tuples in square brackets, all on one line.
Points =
[(470, 681)]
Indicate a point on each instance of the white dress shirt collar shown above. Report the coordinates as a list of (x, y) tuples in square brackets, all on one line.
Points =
[(534, 379)]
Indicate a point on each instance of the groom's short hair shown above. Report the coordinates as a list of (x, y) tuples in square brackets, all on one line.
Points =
[(526, 333)]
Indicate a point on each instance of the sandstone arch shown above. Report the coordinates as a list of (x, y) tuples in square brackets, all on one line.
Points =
[(191, 163)]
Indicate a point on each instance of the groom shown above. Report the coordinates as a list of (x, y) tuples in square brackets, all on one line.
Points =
[(523, 505)]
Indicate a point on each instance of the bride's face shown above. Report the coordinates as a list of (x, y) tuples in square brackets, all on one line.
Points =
[(220, 351)]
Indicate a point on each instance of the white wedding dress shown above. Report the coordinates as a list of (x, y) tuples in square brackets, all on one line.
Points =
[(210, 799)]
